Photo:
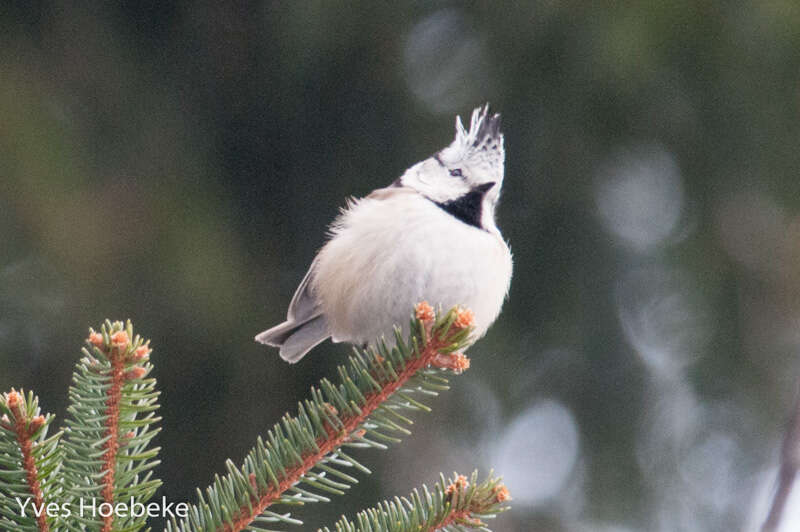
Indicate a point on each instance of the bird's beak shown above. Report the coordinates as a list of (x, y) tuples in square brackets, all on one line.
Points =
[(486, 187)]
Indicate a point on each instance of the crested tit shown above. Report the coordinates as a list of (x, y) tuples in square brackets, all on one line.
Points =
[(430, 235)]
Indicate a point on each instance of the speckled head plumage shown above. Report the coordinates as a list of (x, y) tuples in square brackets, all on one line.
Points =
[(465, 178), (481, 147)]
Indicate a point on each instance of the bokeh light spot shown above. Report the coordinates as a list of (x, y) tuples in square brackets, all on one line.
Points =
[(538, 451), (639, 196)]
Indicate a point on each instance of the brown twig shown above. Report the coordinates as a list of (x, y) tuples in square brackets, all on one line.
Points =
[(112, 432), (24, 431), (118, 355), (247, 513)]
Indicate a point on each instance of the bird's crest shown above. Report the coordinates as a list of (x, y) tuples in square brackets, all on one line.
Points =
[(481, 145)]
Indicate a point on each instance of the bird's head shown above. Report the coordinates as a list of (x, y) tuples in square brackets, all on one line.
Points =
[(465, 177)]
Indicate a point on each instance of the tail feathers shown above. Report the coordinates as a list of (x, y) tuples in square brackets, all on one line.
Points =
[(296, 339), (278, 334)]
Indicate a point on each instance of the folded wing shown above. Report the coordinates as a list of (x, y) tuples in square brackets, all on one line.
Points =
[(305, 325)]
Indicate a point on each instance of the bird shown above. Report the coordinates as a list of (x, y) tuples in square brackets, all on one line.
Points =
[(429, 236)]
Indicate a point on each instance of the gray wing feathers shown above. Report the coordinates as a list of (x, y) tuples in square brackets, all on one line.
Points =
[(304, 305), (304, 338), (278, 334), (305, 325)]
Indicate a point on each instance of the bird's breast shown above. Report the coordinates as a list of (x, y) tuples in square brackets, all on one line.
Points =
[(387, 254)]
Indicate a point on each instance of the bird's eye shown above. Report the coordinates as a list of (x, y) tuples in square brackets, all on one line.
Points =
[(456, 173)]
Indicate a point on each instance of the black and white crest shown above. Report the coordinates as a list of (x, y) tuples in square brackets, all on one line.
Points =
[(464, 178), (481, 147)]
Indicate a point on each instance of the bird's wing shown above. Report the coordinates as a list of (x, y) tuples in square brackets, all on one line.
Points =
[(304, 305), (303, 338), (305, 326)]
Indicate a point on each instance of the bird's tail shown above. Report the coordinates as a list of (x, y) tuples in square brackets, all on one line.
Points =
[(295, 339)]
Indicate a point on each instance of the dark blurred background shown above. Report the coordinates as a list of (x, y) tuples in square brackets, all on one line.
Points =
[(177, 164)]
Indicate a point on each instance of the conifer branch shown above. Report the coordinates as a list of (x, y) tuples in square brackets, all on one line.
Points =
[(25, 428), (306, 449), (105, 454), (109, 430), (454, 504), (28, 463)]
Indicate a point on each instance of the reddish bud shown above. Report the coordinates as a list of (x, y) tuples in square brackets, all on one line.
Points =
[(459, 484), (120, 340), (501, 493), (96, 339), (457, 362), (12, 399), (464, 318), (36, 424), (253, 483), (332, 409), (137, 372), (141, 352), (424, 312)]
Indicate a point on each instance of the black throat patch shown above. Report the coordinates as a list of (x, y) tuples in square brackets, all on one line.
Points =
[(469, 207)]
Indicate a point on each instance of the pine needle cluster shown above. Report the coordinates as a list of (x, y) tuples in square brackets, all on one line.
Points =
[(451, 505), (104, 452)]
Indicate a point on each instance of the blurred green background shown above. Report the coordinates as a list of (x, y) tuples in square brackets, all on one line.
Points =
[(177, 164)]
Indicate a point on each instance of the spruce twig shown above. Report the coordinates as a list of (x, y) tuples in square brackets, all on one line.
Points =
[(454, 504), (29, 462), (363, 410), (105, 454), (107, 438)]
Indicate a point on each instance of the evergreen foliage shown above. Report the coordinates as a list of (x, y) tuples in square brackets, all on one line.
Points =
[(104, 454), (29, 463), (109, 428), (451, 505), (302, 461)]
